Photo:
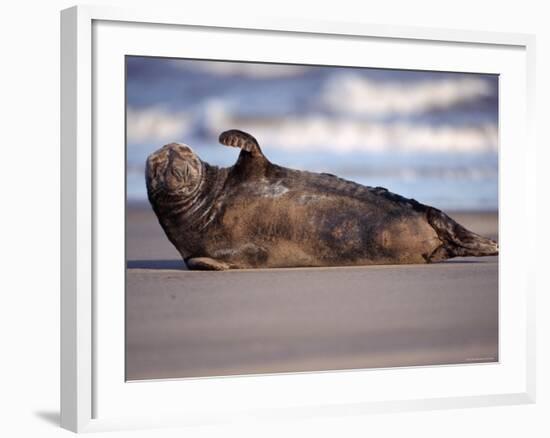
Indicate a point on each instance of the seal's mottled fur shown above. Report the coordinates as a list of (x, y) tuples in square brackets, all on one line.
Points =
[(256, 214)]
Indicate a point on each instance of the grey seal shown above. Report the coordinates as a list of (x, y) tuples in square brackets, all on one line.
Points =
[(256, 214)]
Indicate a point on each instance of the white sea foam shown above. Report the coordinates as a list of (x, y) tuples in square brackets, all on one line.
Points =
[(253, 71), (325, 133), (156, 125), (337, 131), (314, 132), (349, 93)]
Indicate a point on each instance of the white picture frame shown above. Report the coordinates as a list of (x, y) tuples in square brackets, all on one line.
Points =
[(90, 401)]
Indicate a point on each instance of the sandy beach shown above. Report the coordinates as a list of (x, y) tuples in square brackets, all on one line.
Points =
[(183, 323)]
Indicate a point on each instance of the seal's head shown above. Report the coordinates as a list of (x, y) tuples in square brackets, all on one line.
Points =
[(173, 171)]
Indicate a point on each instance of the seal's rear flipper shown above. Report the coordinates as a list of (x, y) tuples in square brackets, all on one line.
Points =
[(241, 140), (457, 240), (206, 264)]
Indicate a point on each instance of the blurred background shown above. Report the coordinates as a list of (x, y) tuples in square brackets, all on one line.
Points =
[(432, 136)]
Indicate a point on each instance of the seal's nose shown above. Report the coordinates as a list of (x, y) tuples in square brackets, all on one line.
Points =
[(173, 178), (171, 184)]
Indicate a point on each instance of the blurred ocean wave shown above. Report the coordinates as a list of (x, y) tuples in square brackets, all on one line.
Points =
[(351, 93), (428, 135), (312, 132)]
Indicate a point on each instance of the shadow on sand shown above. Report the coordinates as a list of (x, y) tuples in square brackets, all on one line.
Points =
[(461, 261), (179, 265), (156, 264)]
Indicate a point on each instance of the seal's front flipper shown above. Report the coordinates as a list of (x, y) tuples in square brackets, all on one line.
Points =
[(252, 163), (241, 140), (206, 264)]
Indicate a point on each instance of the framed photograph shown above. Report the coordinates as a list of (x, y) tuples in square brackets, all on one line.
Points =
[(275, 219)]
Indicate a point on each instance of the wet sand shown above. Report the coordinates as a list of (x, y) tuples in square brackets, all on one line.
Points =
[(183, 323)]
